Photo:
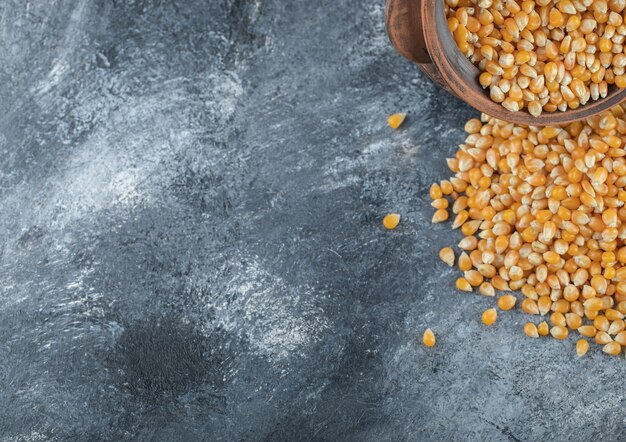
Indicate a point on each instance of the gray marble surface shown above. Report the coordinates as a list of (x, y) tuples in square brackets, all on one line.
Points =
[(191, 249)]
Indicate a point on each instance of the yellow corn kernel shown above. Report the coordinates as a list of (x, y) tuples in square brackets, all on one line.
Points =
[(556, 18), (613, 314), (530, 330), (473, 277), (602, 338), (594, 304), (612, 348), (429, 338), (506, 302), (435, 192), (489, 316), (460, 219), (485, 79), (468, 243), (440, 203), (573, 320), (486, 289), (391, 221), (446, 187), (601, 323), (499, 283), (440, 216), (588, 331), (530, 306), (558, 318), (559, 332), (465, 263), (582, 346), (447, 255), (616, 327), (463, 284), (396, 120)]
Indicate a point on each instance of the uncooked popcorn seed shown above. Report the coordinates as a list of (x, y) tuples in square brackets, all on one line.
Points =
[(543, 55), (447, 255), (429, 338), (541, 211), (391, 221), (396, 120), (489, 316)]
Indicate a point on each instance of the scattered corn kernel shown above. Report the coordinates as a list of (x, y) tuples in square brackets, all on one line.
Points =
[(396, 120), (548, 219), (486, 289), (391, 221), (440, 216), (531, 330), (559, 332), (602, 338), (588, 331), (489, 316), (429, 338), (447, 255), (582, 346), (612, 348), (463, 284)]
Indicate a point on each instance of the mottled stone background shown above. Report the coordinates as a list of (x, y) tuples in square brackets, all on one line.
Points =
[(191, 249)]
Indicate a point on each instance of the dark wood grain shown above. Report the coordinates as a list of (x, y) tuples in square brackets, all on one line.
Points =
[(418, 31), (404, 26)]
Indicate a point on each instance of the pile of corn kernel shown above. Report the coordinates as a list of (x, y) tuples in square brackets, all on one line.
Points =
[(542, 55), (542, 212)]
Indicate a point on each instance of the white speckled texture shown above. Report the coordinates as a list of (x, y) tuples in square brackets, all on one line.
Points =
[(191, 249)]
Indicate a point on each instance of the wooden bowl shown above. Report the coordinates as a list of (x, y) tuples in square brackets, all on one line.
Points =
[(418, 29)]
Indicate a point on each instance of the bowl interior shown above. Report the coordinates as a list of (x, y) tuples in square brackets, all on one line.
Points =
[(462, 75)]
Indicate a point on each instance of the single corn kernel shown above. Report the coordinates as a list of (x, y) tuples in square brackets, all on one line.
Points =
[(473, 277), (440, 216), (463, 284), (601, 323), (531, 330), (447, 255), (582, 346), (486, 289), (602, 338), (616, 327), (440, 203), (506, 302), (446, 187), (573, 320), (612, 348), (396, 120), (435, 192), (529, 306), (429, 338), (489, 316), (559, 332), (588, 331), (468, 243), (391, 221), (465, 262)]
